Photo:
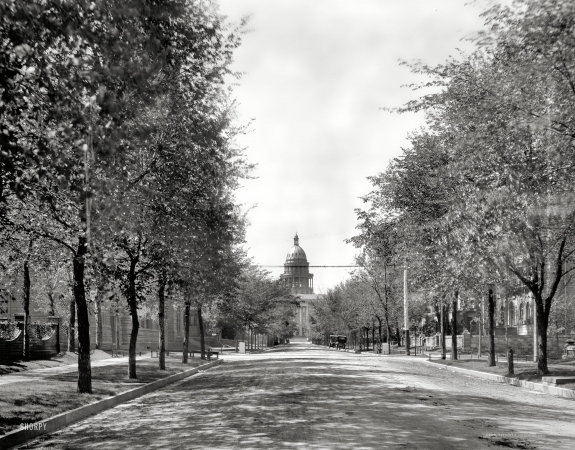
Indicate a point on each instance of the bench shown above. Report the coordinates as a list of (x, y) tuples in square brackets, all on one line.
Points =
[(209, 354)]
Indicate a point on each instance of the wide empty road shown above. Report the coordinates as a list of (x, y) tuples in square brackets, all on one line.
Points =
[(308, 397)]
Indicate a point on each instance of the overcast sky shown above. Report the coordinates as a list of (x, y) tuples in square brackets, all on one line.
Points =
[(317, 73)]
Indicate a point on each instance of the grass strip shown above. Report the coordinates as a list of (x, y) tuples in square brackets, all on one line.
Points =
[(526, 372), (48, 395)]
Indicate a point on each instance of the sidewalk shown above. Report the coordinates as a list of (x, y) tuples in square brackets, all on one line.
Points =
[(464, 357), (39, 374)]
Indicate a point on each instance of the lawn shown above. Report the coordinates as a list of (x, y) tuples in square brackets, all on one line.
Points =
[(522, 371), (62, 359), (39, 399)]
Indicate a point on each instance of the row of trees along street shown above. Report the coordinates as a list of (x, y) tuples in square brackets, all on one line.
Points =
[(370, 302), (118, 165), (261, 305), (482, 199)]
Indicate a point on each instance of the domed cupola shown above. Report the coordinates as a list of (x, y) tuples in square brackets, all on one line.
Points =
[(296, 253), (296, 274)]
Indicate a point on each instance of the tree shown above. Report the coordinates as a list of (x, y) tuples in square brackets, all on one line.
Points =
[(259, 302), (383, 277), (504, 117), (75, 62)]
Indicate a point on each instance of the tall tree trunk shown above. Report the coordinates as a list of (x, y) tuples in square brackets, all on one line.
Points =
[(236, 339), (133, 305), (454, 327), (84, 366), (380, 336), (491, 323), (72, 326), (99, 320), (52, 310), (542, 318), (162, 336), (26, 304), (185, 349), (438, 317), (443, 329), (202, 334), (506, 318), (388, 337), (480, 328), (367, 338)]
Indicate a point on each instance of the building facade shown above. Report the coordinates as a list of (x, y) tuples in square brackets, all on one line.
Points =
[(115, 321), (299, 280)]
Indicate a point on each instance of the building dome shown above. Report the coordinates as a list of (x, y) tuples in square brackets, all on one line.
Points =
[(296, 254), (296, 274)]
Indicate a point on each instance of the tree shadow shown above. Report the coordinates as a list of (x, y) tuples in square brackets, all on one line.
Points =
[(309, 403)]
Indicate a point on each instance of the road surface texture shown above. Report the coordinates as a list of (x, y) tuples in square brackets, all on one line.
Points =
[(308, 397)]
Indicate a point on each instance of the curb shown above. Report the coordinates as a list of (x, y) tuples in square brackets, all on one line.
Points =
[(559, 392), (383, 355), (64, 419)]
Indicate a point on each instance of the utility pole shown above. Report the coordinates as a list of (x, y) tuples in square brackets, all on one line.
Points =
[(442, 329), (454, 325), (405, 318), (535, 349), (480, 329)]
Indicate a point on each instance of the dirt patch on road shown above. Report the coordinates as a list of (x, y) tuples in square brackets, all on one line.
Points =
[(508, 441)]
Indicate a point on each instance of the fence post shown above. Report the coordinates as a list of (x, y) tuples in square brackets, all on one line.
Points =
[(58, 337), (56, 321), (510, 362)]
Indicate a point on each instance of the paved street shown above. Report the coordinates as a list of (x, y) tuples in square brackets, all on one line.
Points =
[(308, 397)]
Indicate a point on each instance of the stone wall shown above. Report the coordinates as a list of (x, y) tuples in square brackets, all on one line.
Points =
[(521, 344), (463, 341), (118, 336), (39, 348)]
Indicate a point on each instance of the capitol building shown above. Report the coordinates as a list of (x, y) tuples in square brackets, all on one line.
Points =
[(299, 280)]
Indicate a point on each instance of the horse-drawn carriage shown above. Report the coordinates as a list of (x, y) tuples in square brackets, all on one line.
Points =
[(337, 341)]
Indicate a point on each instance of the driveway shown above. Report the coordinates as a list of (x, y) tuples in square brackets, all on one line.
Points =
[(308, 397)]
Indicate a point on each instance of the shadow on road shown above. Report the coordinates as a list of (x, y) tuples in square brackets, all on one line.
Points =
[(314, 402)]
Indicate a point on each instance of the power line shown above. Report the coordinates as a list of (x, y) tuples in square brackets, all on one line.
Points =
[(267, 265)]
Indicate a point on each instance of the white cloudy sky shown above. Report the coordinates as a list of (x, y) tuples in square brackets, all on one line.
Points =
[(317, 73)]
